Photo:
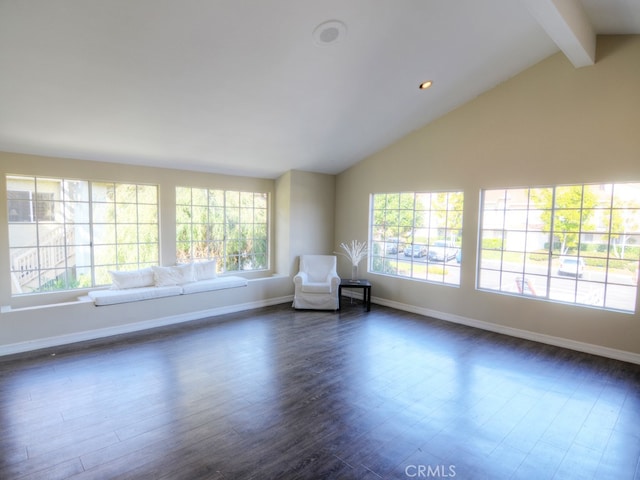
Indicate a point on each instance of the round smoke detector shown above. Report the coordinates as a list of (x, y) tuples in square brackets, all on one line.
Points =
[(329, 33)]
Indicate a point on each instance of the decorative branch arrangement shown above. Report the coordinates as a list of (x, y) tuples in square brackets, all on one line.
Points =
[(355, 251)]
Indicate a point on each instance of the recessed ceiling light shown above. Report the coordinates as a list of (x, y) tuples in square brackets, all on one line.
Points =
[(329, 33), (425, 85)]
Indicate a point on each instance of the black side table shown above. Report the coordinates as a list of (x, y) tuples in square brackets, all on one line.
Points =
[(365, 285)]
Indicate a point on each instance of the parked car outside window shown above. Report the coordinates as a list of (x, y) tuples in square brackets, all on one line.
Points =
[(393, 246), (415, 251), (572, 266), (442, 251)]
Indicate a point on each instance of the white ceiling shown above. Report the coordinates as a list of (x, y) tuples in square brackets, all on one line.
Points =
[(243, 87)]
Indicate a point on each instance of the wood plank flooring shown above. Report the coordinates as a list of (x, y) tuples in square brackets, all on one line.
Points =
[(275, 393)]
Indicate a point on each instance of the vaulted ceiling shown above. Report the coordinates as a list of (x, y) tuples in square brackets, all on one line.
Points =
[(260, 87)]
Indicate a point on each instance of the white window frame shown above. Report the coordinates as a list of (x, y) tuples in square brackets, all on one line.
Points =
[(229, 226), (57, 251), (403, 220), (562, 243)]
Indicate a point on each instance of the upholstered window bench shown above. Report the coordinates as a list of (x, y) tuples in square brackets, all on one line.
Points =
[(158, 282), (111, 297)]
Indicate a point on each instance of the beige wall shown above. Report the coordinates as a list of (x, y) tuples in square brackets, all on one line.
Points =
[(313, 199), (551, 124), (305, 205), (283, 228), (302, 214)]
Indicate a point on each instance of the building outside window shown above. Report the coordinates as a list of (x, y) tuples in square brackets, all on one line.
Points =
[(66, 234), (575, 244), (230, 227), (28, 206), (417, 235)]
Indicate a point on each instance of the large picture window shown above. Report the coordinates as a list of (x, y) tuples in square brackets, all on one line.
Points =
[(66, 234), (417, 235), (577, 244), (228, 226)]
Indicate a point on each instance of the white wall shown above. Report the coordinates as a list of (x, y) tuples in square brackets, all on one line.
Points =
[(552, 124)]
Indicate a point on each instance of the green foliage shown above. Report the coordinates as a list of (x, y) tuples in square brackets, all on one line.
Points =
[(84, 281), (64, 281), (127, 224), (437, 269), (229, 226), (632, 252), (448, 208), (402, 215), (572, 212), (557, 246), (384, 265), (393, 214), (593, 259), (492, 243), (624, 221), (541, 256)]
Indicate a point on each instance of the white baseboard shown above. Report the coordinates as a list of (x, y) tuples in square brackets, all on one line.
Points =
[(135, 327), (516, 332), (213, 312)]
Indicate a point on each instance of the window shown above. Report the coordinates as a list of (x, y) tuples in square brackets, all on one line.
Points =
[(125, 227), (66, 234), (577, 244), (26, 206), (417, 235), (228, 226)]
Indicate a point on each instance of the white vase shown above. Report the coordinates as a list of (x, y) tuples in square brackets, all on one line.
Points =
[(354, 273)]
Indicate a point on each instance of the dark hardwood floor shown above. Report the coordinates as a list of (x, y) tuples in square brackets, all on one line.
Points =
[(281, 394)]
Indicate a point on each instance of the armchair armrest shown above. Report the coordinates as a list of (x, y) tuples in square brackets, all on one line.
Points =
[(300, 278)]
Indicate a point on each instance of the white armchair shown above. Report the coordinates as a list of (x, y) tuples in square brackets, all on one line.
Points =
[(317, 282)]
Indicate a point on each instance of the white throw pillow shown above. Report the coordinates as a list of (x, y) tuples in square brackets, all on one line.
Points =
[(188, 272), (122, 280), (205, 270), (178, 275)]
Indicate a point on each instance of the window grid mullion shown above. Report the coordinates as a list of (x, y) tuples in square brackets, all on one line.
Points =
[(92, 255)]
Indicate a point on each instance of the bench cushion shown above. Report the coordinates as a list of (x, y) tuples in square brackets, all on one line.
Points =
[(110, 297), (217, 283)]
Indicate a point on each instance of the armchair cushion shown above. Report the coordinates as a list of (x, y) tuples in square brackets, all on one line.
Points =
[(316, 287)]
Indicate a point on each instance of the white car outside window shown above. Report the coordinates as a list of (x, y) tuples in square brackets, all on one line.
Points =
[(573, 266)]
